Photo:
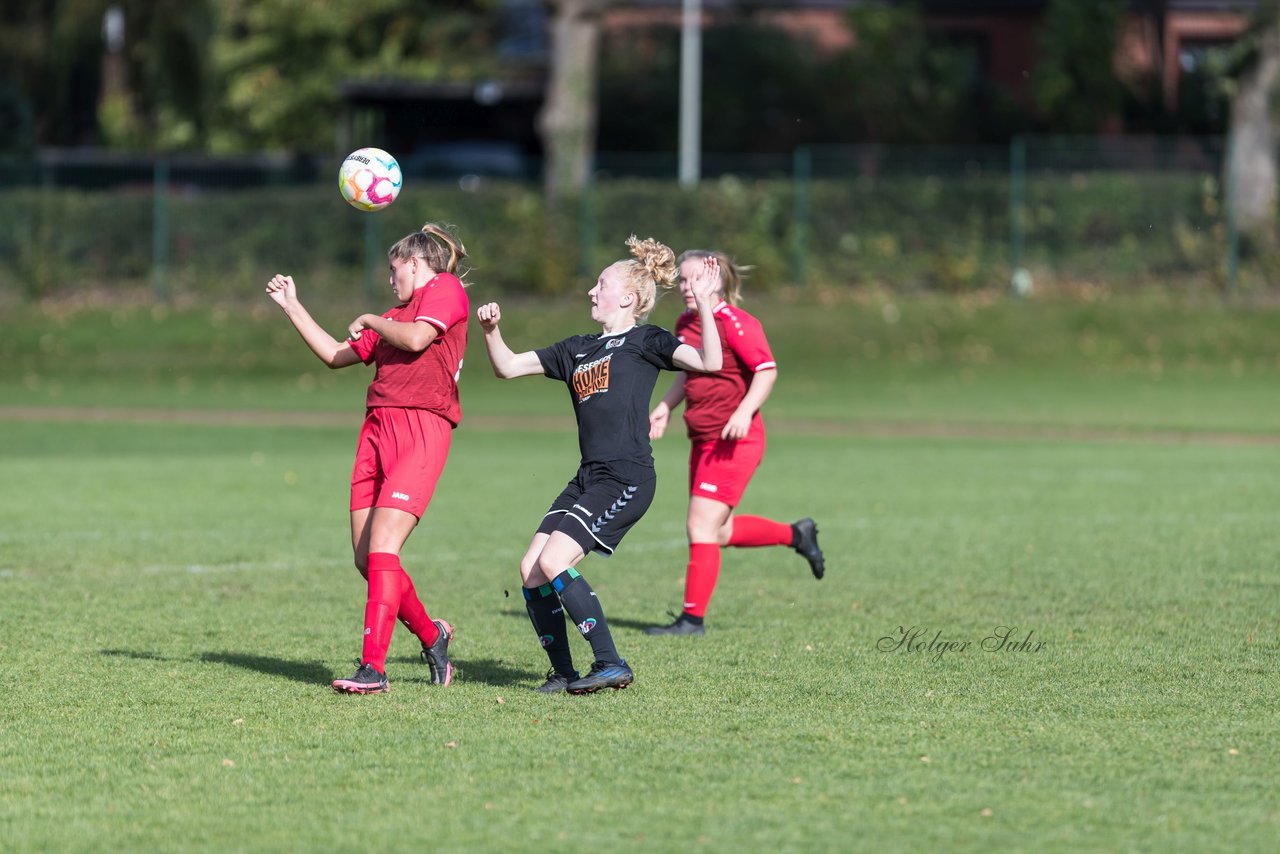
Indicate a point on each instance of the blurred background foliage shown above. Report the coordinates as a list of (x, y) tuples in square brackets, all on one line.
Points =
[(235, 76), (887, 163), (221, 76)]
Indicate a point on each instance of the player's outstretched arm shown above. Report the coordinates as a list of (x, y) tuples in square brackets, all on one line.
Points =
[(661, 413), (331, 351), (705, 285), (506, 364)]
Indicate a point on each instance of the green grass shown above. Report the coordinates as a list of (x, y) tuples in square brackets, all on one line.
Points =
[(175, 597), (1138, 363)]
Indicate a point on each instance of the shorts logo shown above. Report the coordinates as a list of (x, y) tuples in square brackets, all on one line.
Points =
[(614, 342), (623, 500), (591, 378), (400, 496), (708, 487), (587, 625), (583, 509), (547, 640)]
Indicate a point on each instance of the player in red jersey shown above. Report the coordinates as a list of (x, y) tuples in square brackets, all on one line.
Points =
[(411, 409), (722, 414), (610, 376)]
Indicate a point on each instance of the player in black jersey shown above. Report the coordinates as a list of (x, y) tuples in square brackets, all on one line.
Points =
[(610, 376)]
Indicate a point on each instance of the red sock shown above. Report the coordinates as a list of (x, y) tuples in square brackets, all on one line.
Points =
[(411, 612), (700, 578), (753, 531), (414, 615), (385, 586)]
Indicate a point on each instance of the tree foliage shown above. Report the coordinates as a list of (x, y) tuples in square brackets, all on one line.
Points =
[(1075, 85), (224, 75), (766, 91), (50, 52), (899, 82), (281, 63)]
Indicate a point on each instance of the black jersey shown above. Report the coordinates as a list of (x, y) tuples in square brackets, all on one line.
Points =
[(610, 380)]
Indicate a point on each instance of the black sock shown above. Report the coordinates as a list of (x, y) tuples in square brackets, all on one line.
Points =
[(686, 617), (582, 606), (547, 615)]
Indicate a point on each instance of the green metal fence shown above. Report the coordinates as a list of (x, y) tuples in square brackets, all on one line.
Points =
[(1040, 214)]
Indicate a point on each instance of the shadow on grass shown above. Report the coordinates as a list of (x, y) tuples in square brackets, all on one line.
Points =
[(309, 672), (495, 672), (614, 622), (139, 655), (640, 625)]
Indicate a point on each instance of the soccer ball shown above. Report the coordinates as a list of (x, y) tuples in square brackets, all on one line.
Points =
[(369, 179)]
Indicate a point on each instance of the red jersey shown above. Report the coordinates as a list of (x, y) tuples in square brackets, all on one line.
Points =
[(426, 380), (711, 398)]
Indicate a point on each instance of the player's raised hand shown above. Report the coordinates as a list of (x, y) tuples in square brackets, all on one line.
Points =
[(706, 283), (489, 314), (282, 290)]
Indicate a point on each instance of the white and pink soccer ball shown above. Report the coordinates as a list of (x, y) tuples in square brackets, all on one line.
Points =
[(369, 179)]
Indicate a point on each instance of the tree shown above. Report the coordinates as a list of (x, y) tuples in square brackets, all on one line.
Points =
[(167, 76), (898, 83), (281, 63), (1251, 156), (1075, 85), (49, 54), (568, 119)]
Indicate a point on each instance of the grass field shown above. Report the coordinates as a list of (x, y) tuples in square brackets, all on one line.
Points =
[(177, 595)]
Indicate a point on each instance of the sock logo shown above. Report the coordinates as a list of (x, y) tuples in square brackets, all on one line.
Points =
[(368, 631), (547, 640), (587, 625)]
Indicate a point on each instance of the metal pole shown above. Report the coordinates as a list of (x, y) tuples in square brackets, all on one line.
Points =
[(803, 170), (1020, 277), (587, 230), (690, 93), (373, 265), (160, 231), (1233, 225)]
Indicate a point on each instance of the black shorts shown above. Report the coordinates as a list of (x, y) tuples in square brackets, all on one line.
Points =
[(601, 503)]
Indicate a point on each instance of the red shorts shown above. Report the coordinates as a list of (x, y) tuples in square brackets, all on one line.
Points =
[(399, 458), (720, 469)]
